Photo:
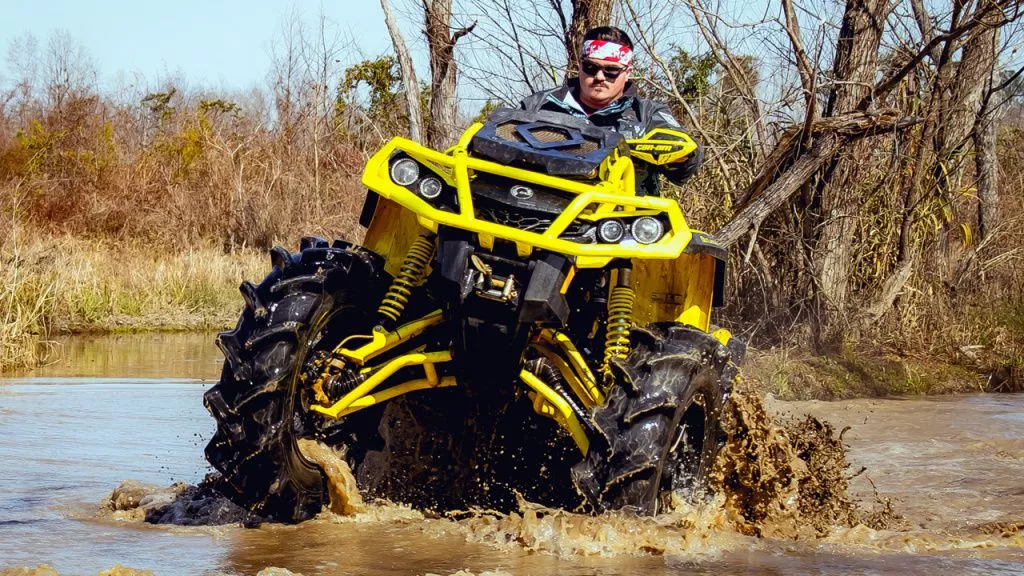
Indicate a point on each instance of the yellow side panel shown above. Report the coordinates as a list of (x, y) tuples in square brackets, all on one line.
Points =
[(677, 290), (391, 233)]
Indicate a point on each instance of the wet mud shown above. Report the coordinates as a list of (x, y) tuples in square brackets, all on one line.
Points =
[(179, 504), (788, 477)]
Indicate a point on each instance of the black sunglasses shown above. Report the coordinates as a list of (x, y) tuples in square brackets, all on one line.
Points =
[(610, 72)]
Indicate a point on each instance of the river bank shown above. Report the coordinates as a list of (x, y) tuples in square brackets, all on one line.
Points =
[(53, 286), (794, 374)]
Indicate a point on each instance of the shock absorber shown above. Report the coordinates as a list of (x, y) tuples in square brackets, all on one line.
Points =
[(416, 261), (620, 318)]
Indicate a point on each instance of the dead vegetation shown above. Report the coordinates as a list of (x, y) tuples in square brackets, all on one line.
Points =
[(52, 284), (864, 161)]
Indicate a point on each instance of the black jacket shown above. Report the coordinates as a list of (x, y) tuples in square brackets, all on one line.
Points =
[(632, 117)]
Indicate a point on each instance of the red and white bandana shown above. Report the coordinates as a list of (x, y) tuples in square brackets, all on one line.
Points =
[(610, 51)]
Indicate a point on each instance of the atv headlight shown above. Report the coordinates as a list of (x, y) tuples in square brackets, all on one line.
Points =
[(405, 171), (430, 188), (647, 230), (611, 231)]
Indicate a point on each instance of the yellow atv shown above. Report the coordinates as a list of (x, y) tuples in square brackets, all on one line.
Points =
[(518, 321)]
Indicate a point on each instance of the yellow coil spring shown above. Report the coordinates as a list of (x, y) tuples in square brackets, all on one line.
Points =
[(620, 318), (416, 262)]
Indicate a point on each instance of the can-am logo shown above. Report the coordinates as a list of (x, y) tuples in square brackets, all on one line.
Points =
[(521, 192)]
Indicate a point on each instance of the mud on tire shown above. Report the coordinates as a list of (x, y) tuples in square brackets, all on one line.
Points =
[(659, 430), (257, 402)]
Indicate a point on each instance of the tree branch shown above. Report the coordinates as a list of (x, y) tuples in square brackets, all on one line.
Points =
[(977, 19), (830, 135), (803, 66)]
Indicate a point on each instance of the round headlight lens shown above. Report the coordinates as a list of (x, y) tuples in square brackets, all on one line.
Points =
[(647, 230), (430, 188), (405, 171), (611, 231)]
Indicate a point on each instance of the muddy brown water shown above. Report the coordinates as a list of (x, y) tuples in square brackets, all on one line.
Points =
[(129, 408)]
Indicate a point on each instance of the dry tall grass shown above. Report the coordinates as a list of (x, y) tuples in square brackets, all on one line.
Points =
[(51, 284)]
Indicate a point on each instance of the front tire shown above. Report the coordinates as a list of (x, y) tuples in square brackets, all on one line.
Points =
[(659, 429), (258, 403)]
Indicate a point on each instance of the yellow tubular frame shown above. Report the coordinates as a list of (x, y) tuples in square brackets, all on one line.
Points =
[(381, 340), (611, 197), (562, 414), (348, 403)]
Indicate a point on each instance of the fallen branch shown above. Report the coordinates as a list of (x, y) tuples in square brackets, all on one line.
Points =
[(790, 165)]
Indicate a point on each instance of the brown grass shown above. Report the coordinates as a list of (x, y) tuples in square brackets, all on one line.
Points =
[(200, 175), (51, 284)]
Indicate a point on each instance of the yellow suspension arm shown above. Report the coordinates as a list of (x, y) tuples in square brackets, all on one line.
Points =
[(381, 340), (425, 359), (397, 390), (572, 365), (563, 413)]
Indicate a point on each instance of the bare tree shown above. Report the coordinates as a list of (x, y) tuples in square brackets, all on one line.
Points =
[(586, 14), (442, 130), (320, 58), (23, 59), (68, 71), (411, 84), (854, 68), (442, 126), (286, 76), (517, 47)]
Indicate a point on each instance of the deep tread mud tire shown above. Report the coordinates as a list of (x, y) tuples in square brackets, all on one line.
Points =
[(257, 402), (659, 430)]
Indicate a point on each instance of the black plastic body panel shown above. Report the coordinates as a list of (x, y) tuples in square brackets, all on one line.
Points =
[(508, 138), (704, 244)]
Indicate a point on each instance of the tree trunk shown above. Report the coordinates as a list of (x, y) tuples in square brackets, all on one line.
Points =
[(972, 114), (412, 85), (853, 74), (960, 110), (987, 166), (442, 127), (967, 87), (586, 14)]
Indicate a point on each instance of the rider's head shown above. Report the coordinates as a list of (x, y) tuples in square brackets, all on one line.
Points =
[(606, 52)]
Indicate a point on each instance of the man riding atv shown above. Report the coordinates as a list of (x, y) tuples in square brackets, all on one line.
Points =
[(604, 94), (524, 319)]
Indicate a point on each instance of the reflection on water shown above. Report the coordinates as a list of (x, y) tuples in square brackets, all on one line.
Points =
[(129, 407), (158, 355), (65, 442)]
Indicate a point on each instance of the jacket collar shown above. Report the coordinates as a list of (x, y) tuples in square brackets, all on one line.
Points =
[(567, 98)]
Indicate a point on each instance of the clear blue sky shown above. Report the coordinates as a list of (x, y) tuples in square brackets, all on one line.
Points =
[(222, 44), (213, 43)]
